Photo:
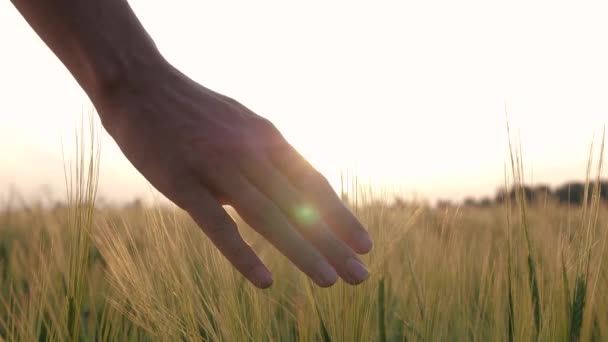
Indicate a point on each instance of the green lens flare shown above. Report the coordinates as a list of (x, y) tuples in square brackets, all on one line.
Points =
[(306, 215)]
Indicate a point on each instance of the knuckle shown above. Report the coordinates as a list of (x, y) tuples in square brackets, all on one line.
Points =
[(240, 253), (265, 215), (315, 181), (267, 125), (321, 181), (231, 101), (267, 128), (268, 212), (219, 226)]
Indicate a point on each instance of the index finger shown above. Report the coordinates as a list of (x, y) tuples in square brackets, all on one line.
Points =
[(209, 215)]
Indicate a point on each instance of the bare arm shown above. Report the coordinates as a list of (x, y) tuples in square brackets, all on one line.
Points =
[(199, 148), (102, 43)]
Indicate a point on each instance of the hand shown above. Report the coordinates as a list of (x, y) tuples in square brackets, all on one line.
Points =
[(203, 150)]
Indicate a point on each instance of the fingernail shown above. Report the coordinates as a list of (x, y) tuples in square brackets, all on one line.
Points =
[(363, 241), (261, 277), (326, 275), (356, 270)]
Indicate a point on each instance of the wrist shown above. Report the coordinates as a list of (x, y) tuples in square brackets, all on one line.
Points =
[(123, 70), (125, 83)]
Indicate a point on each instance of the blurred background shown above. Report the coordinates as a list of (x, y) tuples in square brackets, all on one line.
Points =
[(409, 95)]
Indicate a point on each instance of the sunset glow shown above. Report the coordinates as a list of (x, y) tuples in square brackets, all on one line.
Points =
[(410, 94)]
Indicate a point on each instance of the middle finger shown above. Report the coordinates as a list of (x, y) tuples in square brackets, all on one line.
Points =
[(305, 217)]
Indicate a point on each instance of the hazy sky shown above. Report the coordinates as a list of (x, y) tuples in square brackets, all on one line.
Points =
[(412, 93)]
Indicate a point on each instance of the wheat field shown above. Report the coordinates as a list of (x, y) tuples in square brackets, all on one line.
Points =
[(512, 272)]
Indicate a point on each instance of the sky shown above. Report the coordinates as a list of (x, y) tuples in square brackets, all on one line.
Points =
[(410, 95)]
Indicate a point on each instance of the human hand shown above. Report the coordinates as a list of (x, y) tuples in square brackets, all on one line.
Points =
[(203, 150)]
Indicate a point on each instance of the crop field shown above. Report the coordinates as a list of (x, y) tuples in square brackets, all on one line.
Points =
[(515, 271)]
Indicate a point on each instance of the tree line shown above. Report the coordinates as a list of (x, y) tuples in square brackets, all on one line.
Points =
[(571, 193)]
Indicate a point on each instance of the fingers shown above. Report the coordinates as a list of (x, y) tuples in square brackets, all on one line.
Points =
[(223, 232), (316, 188), (266, 218), (305, 218)]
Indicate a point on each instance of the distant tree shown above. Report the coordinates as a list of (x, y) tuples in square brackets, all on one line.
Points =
[(399, 203), (58, 207), (502, 194), (485, 202), (574, 192), (542, 190), (542, 193), (529, 193), (571, 193), (604, 190), (137, 203), (444, 204), (469, 202)]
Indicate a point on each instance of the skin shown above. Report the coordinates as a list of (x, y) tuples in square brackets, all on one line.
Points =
[(202, 149)]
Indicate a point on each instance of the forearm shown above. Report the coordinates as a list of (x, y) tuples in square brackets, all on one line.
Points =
[(101, 42)]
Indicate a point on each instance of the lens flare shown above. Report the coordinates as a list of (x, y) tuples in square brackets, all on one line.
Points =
[(307, 215)]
